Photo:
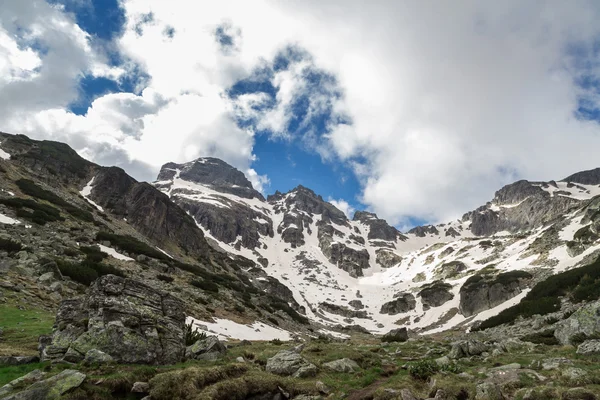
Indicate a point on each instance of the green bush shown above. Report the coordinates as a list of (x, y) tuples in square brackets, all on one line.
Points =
[(281, 305), (131, 245), (165, 278), (423, 370), (10, 245), (192, 335), (30, 188), (40, 213), (545, 337), (544, 298), (77, 272), (205, 285)]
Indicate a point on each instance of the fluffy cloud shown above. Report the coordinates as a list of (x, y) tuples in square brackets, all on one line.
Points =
[(441, 105)]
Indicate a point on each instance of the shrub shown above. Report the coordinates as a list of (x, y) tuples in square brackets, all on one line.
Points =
[(165, 278), (281, 305), (544, 298), (39, 214), (192, 335), (131, 245), (77, 272), (545, 337), (273, 321), (10, 245), (205, 285), (423, 370), (30, 188), (276, 342)]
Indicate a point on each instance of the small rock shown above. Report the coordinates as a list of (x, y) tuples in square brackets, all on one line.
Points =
[(240, 360), (589, 347), (290, 363), (467, 348), (406, 394), (209, 348), (574, 374), (396, 335), (554, 363), (488, 391), (322, 388), (507, 367), (245, 343), (140, 387), (342, 365)]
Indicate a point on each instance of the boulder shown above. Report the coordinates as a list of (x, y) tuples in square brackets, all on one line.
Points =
[(123, 318), (488, 391), (290, 363), (589, 347), (18, 360), (467, 348), (403, 302), (585, 321), (396, 335), (209, 348), (96, 357), (578, 394), (483, 292), (34, 376), (140, 387), (342, 365)]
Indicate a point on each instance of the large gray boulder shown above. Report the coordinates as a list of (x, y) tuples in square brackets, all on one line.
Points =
[(290, 363), (124, 318), (396, 335), (583, 322), (209, 348)]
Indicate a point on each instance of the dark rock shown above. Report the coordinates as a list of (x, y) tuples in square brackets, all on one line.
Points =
[(482, 292), (378, 228), (404, 302), (422, 231), (435, 295), (124, 318), (589, 177), (396, 335), (343, 311), (209, 349), (387, 258), (18, 360)]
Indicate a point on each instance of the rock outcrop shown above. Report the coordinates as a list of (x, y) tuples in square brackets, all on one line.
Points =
[(290, 363), (378, 228), (435, 295), (482, 292), (124, 318), (403, 302), (585, 322), (209, 348)]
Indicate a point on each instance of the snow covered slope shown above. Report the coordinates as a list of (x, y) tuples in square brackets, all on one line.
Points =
[(364, 272)]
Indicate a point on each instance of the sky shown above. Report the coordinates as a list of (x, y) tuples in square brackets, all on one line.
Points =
[(418, 111)]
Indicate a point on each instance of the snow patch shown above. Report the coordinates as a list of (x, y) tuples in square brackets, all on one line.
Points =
[(226, 329), (87, 190), (8, 220), (113, 253)]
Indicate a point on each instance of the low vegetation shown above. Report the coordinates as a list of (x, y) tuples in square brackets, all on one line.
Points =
[(579, 283), (10, 246), (131, 245), (32, 210)]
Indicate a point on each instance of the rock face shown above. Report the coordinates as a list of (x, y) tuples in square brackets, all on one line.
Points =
[(589, 177), (290, 363), (378, 228), (422, 231), (404, 302), (124, 318), (151, 212), (435, 295), (343, 311), (387, 258), (482, 292), (209, 349), (585, 321)]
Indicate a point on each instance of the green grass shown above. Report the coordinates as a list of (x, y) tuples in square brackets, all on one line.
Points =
[(8, 374), (22, 329)]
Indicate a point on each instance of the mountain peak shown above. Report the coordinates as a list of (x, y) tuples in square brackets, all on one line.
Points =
[(589, 177), (213, 172)]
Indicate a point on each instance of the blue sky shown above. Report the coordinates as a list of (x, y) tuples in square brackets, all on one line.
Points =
[(416, 115)]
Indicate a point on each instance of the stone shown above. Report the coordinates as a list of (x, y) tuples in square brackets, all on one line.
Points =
[(56, 287), (209, 348), (488, 391), (406, 394), (578, 394), (290, 363), (403, 302), (443, 361), (96, 357), (306, 371), (584, 321), (396, 335), (576, 375), (124, 318), (467, 348), (46, 278), (52, 388), (342, 365), (322, 388), (507, 367), (240, 360), (245, 343), (34, 376), (140, 387), (18, 360), (555, 363), (589, 347), (483, 292)]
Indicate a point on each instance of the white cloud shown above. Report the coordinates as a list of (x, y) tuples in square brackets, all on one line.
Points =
[(446, 103), (343, 206)]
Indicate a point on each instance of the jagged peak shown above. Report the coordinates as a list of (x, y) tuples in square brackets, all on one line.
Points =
[(588, 177), (364, 216)]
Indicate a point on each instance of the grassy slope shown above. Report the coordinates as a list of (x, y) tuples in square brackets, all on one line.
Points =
[(21, 329)]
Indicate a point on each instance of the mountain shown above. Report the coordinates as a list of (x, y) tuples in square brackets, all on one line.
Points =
[(364, 272), (291, 260)]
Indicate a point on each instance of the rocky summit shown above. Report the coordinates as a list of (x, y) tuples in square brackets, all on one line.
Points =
[(196, 286)]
